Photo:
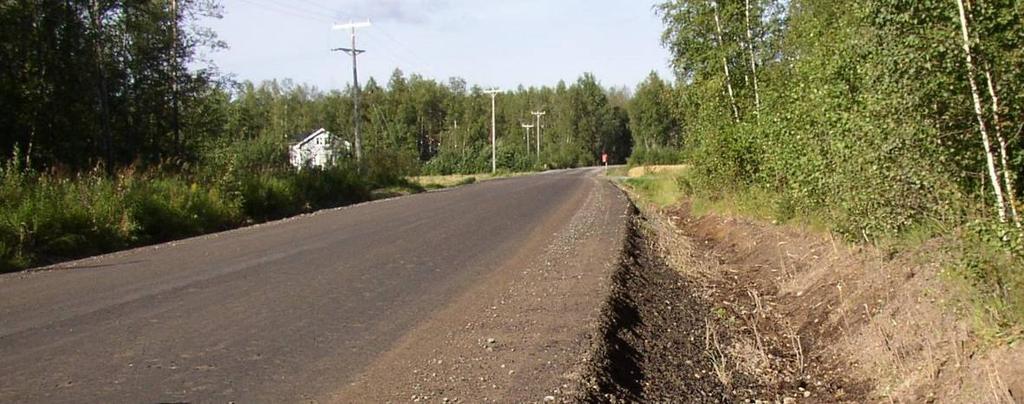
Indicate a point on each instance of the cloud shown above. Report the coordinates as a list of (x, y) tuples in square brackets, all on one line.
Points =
[(404, 11)]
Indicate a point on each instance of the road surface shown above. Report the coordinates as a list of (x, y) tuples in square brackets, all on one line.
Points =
[(446, 293)]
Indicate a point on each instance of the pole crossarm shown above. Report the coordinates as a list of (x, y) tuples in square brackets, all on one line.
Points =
[(349, 50), (351, 25)]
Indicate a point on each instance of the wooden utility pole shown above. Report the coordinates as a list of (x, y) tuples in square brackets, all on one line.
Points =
[(355, 83), (725, 63), (978, 112), (494, 132), (527, 127), (538, 114)]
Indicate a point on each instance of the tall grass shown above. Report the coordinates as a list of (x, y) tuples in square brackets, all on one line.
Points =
[(48, 217)]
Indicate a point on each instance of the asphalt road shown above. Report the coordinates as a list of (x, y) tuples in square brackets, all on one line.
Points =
[(282, 312)]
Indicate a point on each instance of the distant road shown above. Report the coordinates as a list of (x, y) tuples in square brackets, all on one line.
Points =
[(321, 307)]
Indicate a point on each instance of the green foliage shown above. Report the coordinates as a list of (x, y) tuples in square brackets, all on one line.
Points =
[(661, 189), (655, 156), (415, 124), (865, 117), (46, 217), (992, 262), (866, 120), (90, 81), (650, 118)]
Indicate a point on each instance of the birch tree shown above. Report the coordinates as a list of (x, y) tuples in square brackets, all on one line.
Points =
[(997, 188), (753, 60), (1003, 157), (719, 43), (997, 123)]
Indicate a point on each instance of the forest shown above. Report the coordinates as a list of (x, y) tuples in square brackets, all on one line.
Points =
[(117, 133), (880, 119)]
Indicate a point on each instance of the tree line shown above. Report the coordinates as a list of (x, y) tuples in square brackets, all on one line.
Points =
[(442, 127), (114, 83), (881, 119), (85, 82), (883, 114)]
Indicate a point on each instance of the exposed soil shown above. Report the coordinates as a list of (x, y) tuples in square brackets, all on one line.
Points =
[(720, 309), (652, 350)]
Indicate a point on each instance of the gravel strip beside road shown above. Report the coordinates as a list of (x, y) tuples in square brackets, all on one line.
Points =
[(522, 335)]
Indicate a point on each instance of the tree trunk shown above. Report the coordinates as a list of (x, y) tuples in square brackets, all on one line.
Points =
[(176, 105), (101, 84), (753, 62), (1003, 153), (725, 64), (990, 159)]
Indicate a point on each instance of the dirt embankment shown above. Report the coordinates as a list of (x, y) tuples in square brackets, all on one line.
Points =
[(718, 309)]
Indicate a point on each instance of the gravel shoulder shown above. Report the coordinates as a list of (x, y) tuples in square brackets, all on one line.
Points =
[(527, 332)]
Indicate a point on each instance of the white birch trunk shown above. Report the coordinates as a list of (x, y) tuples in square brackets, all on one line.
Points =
[(1003, 153), (725, 64), (978, 112), (753, 60)]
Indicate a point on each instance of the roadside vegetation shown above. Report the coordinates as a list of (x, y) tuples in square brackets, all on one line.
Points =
[(798, 312), (46, 217), (887, 123)]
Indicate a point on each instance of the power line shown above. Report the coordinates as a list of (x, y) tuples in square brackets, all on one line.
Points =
[(408, 50), (318, 5), (319, 14), (276, 8)]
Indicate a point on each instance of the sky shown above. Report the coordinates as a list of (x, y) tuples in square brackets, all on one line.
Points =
[(491, 43)]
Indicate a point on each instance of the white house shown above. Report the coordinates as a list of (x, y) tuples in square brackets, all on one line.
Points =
[(316, 149)]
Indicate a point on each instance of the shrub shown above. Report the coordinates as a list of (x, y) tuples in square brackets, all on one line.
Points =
[(44, 218)]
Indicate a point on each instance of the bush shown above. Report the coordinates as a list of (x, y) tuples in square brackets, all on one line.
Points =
[(992, 262), (389, 167), (44, 218), (655, 156)]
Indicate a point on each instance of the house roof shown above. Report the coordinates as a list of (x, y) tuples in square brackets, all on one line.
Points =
[(301, 139)]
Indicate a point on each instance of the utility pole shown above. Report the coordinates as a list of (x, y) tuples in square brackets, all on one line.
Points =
[(494, 131), (538, 114), (527, 126), (355, 82)]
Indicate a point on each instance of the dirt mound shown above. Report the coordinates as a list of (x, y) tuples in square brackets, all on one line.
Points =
[(720, 309), (882, 320), (680, 324)]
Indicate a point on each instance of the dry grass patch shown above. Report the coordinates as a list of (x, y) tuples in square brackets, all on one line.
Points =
[(640, 171)]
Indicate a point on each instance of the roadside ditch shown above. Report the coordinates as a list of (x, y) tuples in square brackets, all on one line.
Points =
[(716, 308), (682, 325)]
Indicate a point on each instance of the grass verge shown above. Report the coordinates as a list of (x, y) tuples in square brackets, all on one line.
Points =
[(47, 218)]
